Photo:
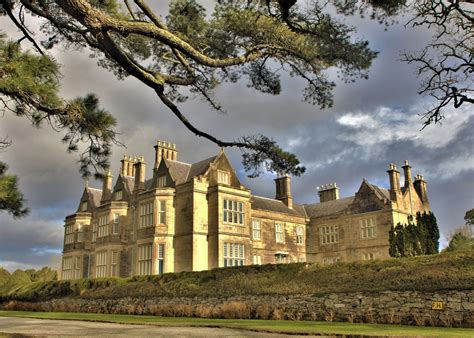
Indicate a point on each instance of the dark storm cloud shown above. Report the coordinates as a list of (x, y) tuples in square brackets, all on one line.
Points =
[(371, 124)]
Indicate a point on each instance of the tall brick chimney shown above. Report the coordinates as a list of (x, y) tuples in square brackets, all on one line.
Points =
[(420, 188), (127, 168), (394, 177), (107, 187), (407, 174), (328, 192), (139, 168), (283, 190), (165, 150)]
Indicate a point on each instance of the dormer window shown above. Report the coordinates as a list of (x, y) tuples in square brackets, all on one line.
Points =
[(223, 177), (84, 206), (118, 195), (162, 181)]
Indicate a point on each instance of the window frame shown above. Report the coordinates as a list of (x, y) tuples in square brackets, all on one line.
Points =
[(279, 233), (223, 177), (101, 264), (162, 212), (146, 213), (329, 234), (116, 224), (368, 226), (145, 259), (233, 212), (256, 231), (233, 254), (299, 235)]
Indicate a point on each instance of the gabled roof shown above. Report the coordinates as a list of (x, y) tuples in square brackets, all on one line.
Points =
[(200, 167), (95, 196), (264, 203), (328, 208), (128, 183), (380, 192), (178, 170)]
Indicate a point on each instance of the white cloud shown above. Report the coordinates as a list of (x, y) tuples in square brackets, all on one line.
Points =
[(386, 125)]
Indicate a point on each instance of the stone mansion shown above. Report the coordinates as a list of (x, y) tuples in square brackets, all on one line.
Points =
[(191, 217)]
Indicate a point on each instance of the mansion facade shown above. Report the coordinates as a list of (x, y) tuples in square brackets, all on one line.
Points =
[(191, 217)]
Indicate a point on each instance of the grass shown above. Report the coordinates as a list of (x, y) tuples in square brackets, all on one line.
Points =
[(446, 271), (280, 326)]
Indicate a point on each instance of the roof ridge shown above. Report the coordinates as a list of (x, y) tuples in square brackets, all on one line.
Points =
[(176, 161), (267, 198)]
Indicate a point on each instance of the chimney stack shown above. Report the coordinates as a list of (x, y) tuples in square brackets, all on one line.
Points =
[(127, 168), (283, 190), (107, 187), (139, 169), (328, 192), (420, 188), (165, 150), (394, 177), (407, 174)]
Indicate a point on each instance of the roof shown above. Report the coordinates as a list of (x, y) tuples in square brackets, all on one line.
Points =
[(380, 192), (329, 207), (178, 170), (200, 167), (264, 203), (95, 196), (128, 183)]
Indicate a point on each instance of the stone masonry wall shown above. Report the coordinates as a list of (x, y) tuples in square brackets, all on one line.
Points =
[(390, 307)]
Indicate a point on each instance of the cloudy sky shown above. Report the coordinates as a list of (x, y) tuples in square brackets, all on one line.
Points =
[(372, 123)]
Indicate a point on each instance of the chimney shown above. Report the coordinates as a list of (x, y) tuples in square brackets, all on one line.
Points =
[(328, 192), (420, 188), (394, 177), (283, 190), (164, 150), (127, 168), (106, 187), (407, 174), (139, 169)]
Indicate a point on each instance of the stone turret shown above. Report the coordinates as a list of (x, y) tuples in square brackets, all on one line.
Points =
[(394, 177)]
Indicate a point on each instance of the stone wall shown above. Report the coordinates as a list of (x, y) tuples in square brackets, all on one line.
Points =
[(389, 307)]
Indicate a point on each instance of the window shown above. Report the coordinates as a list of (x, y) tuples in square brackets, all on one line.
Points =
[(116, 225), (101, 264), (279, 233), (118, 195), (162, 181), (256, 230), (281, 258), (146, 215), (162, 213), (329, 234), (223, 177), (103, 226), (144, 259), (233, 212), (299, 235), (94, 232), (331, 260), (77, 267), (368, 256), (69, 234), (160, 258), (367, 228), (257, 260), (234, 254), (67, 272), (80, 233), (84, 206), (114, 264)]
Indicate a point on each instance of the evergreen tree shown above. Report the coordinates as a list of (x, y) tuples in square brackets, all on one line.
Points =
[(11, 199)]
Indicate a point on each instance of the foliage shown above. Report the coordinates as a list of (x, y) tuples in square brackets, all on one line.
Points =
[(447, 271), (469, 217), (461, 242), (11, 199), (21, 280), (29, 87), (414, 239)]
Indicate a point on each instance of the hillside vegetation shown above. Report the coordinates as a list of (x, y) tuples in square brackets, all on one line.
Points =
[(22, 280), (447, 271)]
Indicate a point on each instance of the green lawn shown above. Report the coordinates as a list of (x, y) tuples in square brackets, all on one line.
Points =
[(302, 327)]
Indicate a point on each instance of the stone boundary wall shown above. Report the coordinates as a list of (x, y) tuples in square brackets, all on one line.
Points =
[(388, 307)]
